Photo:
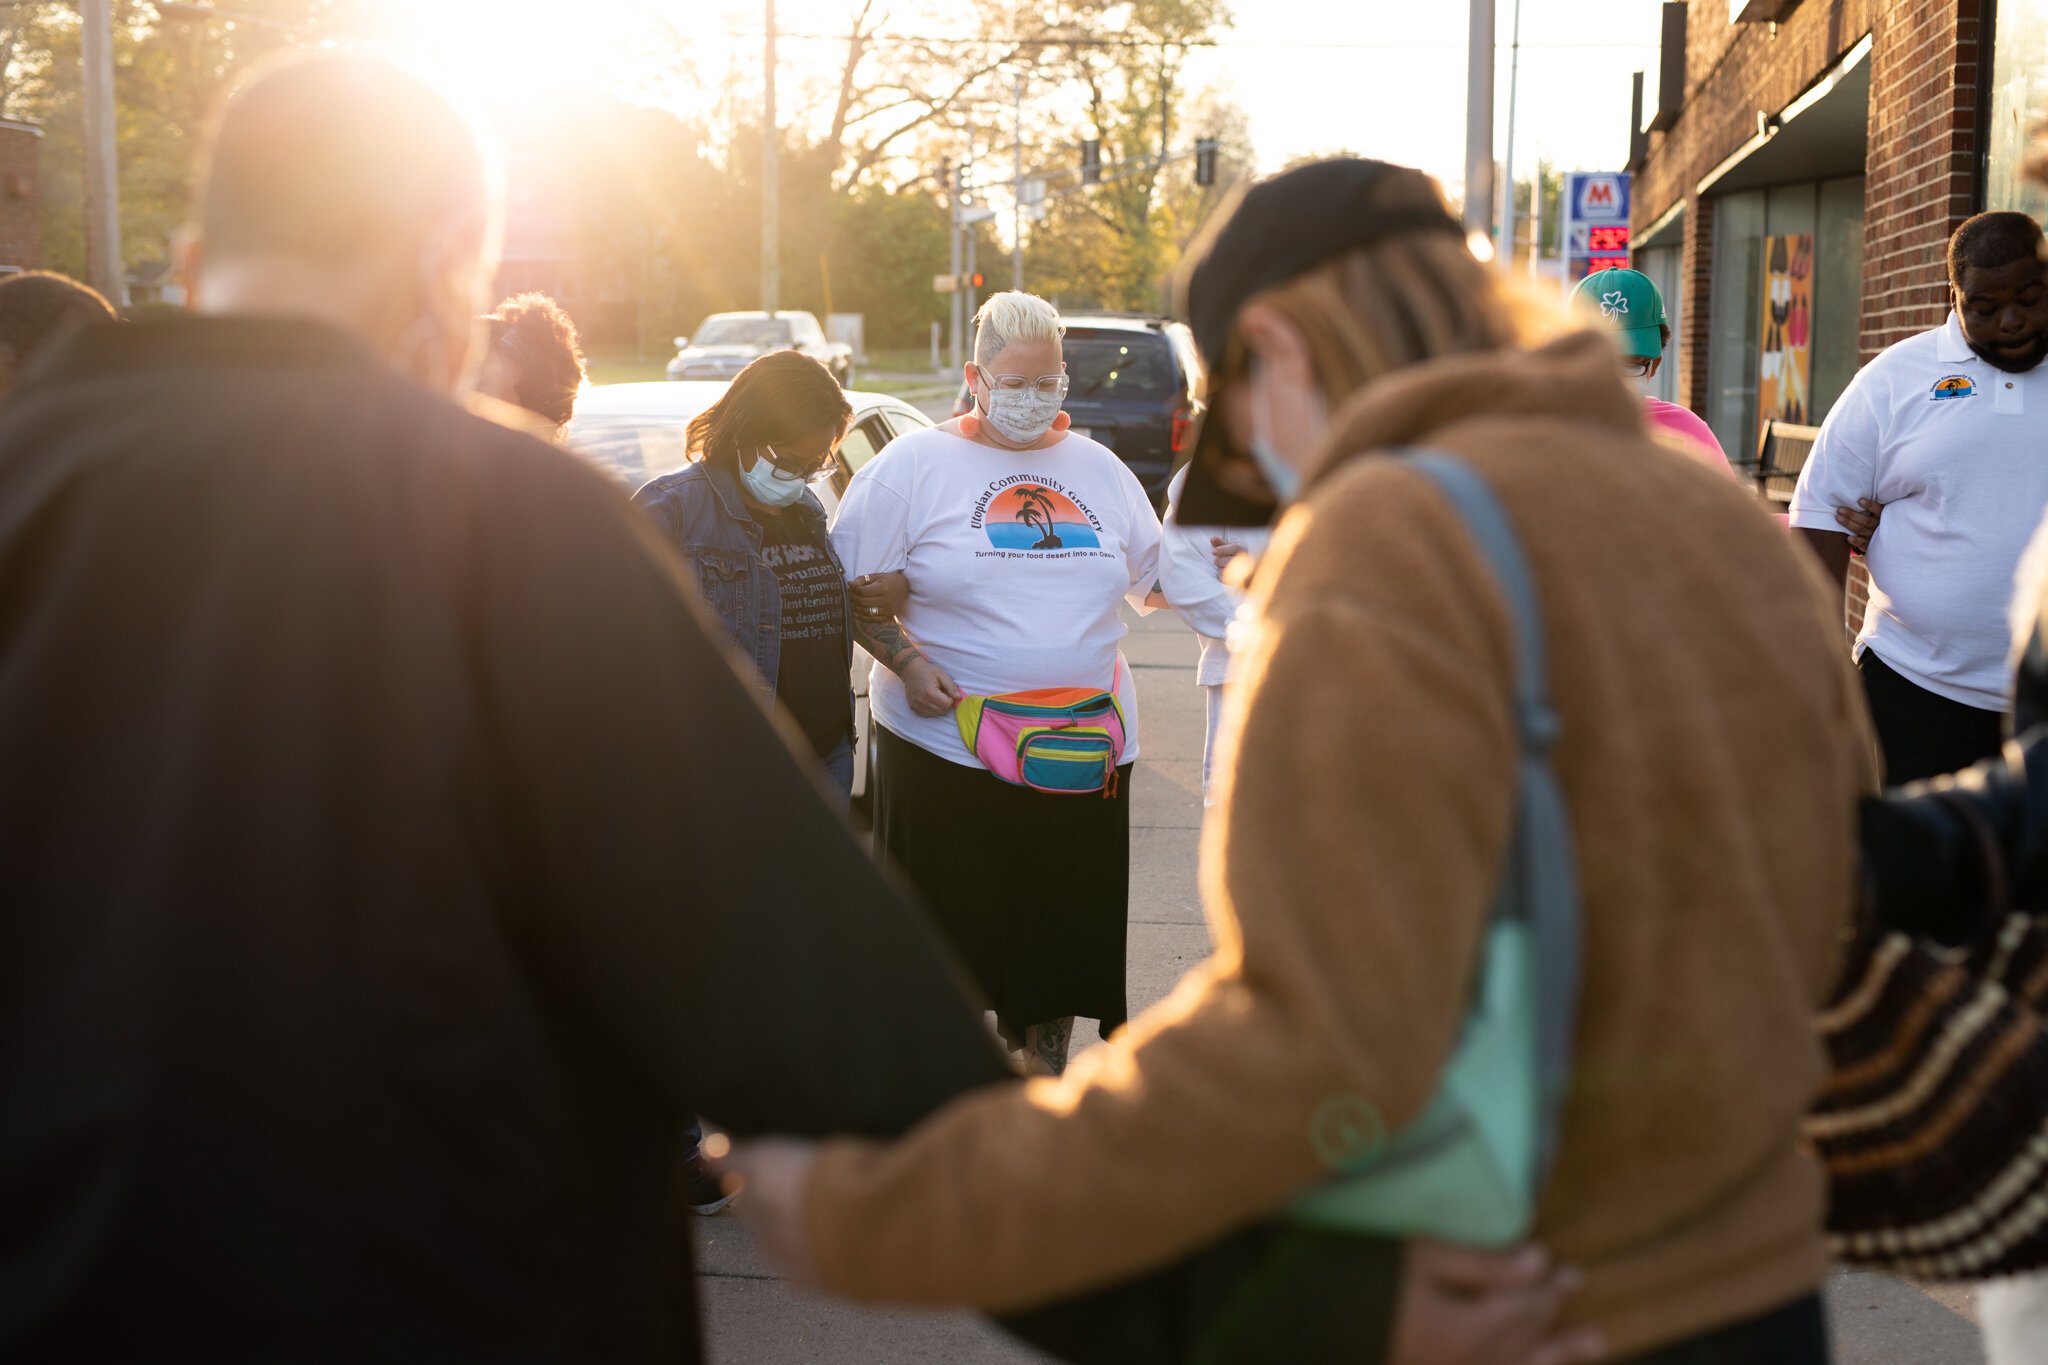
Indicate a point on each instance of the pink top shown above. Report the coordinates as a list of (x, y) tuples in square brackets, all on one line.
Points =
[(1695, 437)]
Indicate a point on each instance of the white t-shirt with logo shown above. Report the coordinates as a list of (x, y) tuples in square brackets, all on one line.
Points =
[(1955, 449), (1018, 561)]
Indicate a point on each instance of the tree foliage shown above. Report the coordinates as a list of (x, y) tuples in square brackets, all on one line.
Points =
[(660, 214)]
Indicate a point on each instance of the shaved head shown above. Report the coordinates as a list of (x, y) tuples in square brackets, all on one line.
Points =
[(351, 191), (332, 160)]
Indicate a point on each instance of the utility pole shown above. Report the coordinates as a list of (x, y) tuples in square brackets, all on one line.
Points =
[(1479, 120), (953, 212), (973, 294), (1507, 189), (102, 180), (1017, 187), (771, 264)]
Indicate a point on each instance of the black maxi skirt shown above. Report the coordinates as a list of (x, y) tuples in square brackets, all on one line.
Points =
[(1031, 890)]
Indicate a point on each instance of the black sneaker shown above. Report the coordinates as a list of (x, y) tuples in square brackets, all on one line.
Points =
[(702, 1190)]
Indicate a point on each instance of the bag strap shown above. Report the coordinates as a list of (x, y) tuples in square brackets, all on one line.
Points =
[(1540, 882)]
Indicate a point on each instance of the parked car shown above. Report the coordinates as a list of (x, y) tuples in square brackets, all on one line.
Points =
[(1132, 386), (726, 342), (638, 431)]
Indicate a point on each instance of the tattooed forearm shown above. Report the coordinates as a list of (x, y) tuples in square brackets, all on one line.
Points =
[(887, 641)]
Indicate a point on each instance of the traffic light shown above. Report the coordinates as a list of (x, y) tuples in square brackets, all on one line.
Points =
[(1205, 162), (976, 279), (1091, 160)]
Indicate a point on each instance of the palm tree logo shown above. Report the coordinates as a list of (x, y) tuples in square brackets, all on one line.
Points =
[(1035, 508)]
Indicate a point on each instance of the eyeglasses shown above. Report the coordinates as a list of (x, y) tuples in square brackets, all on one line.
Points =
[(1051, 385), (1638, 366), (809, 472)]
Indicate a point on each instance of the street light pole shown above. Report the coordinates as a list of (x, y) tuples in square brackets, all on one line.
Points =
[(1017, 214), (953, 212), (102, 182), (1507, 189), (771, 265), (1479, 121)]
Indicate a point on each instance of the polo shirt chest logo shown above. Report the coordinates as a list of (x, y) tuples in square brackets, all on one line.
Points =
[(1955, 386)]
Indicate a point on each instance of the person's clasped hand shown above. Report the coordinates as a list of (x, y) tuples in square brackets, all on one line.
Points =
[(929, 688), (1860, 525), (880, 596), (1461, 1306), (775, 1174), (1223, 551)]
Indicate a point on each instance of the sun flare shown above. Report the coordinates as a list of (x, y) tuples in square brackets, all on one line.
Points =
[(509, 54)]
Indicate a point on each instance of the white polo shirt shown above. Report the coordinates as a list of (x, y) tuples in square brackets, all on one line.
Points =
[(1955, 449)]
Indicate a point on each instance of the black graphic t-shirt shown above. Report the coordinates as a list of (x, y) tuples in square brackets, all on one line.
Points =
[(812, 678)]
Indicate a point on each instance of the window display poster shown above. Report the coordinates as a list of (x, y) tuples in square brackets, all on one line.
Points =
[(1784, 351)]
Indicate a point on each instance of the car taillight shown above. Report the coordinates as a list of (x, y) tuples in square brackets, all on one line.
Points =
[(1183, 424)]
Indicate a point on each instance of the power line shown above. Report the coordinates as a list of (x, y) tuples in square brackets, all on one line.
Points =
[(1223, 44)]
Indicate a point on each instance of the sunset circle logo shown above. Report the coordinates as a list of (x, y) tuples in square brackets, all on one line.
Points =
[(1955, 386), (1031, 516)]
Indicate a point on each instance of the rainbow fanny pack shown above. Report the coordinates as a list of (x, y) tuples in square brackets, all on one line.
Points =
[(1066, 741)]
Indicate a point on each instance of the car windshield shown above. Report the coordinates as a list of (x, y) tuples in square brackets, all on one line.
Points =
[(630, 449), (1118, 365), (762, 332)]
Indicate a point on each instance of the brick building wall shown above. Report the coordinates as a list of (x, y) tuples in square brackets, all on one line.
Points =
[(21, 216), (1921, 181)]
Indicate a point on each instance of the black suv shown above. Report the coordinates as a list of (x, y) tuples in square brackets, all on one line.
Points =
[(1131, 386)]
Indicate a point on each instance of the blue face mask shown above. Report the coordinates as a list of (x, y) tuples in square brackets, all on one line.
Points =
[(1281, 476), (769, 485)]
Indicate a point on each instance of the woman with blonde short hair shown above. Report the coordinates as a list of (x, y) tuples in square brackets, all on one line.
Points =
[(1021, 540)]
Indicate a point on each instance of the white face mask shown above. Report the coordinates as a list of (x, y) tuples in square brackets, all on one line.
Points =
[(769, 486), (1024, 415)]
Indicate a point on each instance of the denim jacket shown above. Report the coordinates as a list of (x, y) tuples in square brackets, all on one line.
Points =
[(700, 509)]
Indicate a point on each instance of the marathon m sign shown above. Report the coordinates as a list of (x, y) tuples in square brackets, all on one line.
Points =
[(1598, 196), (1595, 222)]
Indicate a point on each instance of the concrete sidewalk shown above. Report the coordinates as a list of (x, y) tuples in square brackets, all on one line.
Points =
[(752, 1318)]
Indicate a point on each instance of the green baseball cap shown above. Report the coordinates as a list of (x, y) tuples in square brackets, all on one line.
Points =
[(1624, 301)]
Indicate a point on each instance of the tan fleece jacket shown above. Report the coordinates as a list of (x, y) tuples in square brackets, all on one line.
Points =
[(1714, 745)]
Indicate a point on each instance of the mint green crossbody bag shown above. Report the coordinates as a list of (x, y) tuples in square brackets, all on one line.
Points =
[(1470, 1168)]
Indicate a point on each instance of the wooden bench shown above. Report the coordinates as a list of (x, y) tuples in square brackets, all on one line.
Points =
[(1780, 455)]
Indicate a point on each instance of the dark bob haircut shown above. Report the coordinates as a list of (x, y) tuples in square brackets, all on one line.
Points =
[(784, 396)]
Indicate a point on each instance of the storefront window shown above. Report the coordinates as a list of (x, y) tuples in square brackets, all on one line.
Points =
[(1660, 263), (1801, 354), (1732, 349), (2019, 105), (1837, 292)]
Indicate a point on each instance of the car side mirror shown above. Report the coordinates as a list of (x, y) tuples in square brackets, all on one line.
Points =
[(681, 342)]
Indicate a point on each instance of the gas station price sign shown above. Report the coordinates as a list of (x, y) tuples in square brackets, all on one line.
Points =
[(1596, 231)]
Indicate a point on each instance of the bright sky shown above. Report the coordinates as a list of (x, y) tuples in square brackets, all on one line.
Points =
[(1382, 77), (1386, 78)]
